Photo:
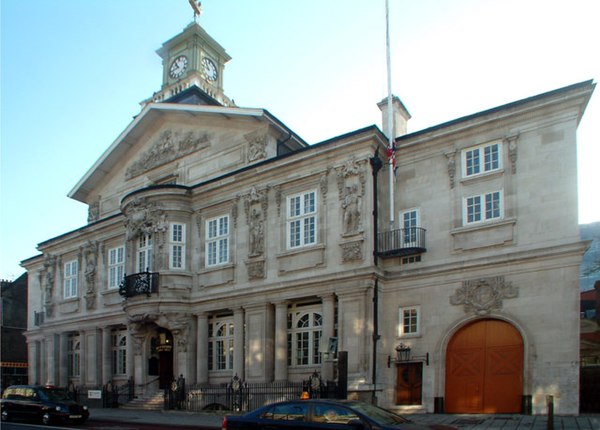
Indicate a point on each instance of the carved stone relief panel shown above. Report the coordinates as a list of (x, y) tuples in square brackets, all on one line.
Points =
[(169, 146), (511, 142), (257, 145), (144, 217), (484, 295), (94, 210), (352, 251), (256, 269)]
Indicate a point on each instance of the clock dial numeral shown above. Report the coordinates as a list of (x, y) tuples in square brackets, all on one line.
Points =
[(178, 66), (210, 69)]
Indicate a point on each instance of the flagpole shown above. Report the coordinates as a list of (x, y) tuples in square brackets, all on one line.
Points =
[(391, 150)]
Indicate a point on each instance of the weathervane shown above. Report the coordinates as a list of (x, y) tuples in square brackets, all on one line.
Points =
[(197, 7)]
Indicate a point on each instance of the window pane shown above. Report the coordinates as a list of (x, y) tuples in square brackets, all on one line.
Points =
[(472, 159), (491, 157)]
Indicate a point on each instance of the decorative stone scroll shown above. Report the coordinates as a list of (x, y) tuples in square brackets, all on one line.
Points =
[(511, 142), (169, 146), (484, 295), (451, 164)]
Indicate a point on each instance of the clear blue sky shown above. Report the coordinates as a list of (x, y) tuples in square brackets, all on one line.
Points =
[(74, 71)]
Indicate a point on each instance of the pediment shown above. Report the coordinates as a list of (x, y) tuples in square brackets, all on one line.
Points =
[(189, 142)]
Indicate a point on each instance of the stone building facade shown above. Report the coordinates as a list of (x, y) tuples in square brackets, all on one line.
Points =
[(219, 243)]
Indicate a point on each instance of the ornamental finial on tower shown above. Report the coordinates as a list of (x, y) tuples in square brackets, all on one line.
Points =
[(197, 7)]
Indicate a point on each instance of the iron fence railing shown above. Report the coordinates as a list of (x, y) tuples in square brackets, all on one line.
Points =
[(401, 242), (238, 395), (139, 283)]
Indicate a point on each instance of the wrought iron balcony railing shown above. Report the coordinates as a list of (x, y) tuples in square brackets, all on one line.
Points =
[(139, 283), (401, 242)]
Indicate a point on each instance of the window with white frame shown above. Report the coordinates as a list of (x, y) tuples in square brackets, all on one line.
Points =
[(220, 344), (73, 355), (116, 266), (409, 321), (484, 207), (302, 219), (144, 253), (177, 246), (119, 352), (410, 220), (217, 241), (482, 159), (70, 279), (304, 337)]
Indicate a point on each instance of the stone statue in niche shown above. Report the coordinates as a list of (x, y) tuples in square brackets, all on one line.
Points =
[(50, 269), (90, 256), (351, 205), (257, 234)]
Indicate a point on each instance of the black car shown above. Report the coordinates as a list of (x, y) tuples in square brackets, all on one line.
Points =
[(322, 414), (44, 404)]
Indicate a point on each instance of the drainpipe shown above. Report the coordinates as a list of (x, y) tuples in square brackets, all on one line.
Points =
[(376, 165)]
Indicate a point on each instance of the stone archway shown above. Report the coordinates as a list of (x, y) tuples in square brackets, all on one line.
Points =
[(484, 368)]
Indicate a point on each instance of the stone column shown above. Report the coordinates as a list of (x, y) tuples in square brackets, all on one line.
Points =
[(328, 303), (51, 365), (107, 355), (63, 361), (202, 349), (34, 362), (281, 351), (83, 351), (130, 356), (238, 343)]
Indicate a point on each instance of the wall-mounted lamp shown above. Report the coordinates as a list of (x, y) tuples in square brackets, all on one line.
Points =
[(403, 356)]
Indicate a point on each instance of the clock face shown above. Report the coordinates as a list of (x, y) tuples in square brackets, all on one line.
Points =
[(178, 66), (210, 70)]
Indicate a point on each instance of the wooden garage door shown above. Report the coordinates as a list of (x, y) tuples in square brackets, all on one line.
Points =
[(484, 369)]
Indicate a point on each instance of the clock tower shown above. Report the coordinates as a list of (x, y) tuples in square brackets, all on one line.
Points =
[(193, 65)]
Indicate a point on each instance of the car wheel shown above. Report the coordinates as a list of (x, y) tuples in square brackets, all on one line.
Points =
[(46, 418)]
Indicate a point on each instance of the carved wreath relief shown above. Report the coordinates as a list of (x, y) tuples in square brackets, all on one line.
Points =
[(484, 295)]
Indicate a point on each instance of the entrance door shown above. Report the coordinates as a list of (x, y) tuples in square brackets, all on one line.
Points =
[(484, 369), (165, 369), (409, 383)]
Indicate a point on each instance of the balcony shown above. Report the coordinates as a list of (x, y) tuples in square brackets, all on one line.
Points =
[(401, 242), (139, 283)]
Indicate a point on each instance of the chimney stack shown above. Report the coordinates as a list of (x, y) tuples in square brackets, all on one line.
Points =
[(400, 117)]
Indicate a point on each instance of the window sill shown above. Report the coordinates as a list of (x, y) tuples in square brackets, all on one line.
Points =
[(305, 258), (482, 176), (496, 233)]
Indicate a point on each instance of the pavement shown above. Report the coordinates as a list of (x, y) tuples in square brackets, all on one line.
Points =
[(213, 420)]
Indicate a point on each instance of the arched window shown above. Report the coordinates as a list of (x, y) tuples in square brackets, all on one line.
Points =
[(220, 344), (304, 337), (74, 355), (119, 352)]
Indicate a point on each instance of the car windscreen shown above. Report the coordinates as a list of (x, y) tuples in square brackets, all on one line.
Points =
[(55, 394), (377, 414)]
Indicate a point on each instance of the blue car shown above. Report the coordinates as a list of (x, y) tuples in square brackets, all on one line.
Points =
[(322, 414)]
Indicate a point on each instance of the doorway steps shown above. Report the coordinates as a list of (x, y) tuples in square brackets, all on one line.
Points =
[(149, 402)]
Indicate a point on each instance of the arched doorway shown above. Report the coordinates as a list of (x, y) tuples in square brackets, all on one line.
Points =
[(160, 362), (484, 369)]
